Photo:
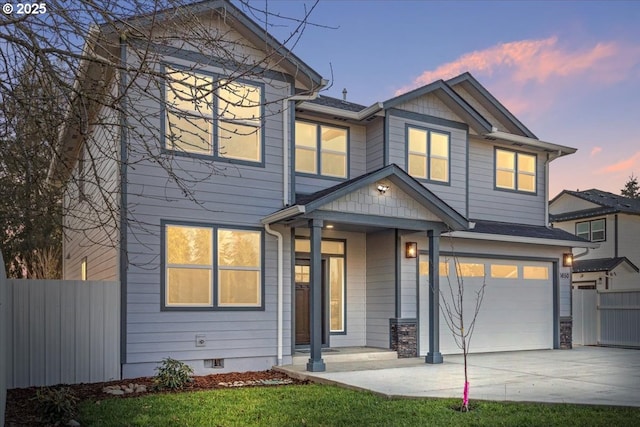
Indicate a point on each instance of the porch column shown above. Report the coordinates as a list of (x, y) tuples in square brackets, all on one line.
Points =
[(315, 363), (434, 355)]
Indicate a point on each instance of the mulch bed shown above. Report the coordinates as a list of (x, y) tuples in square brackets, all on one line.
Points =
[(22, 407)]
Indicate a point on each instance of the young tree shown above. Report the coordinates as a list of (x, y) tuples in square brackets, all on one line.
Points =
[(75, 50), (460, 316), (631, 188)]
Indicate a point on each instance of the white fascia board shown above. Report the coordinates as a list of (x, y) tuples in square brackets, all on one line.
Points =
[(520, 239), (283, 214), (561, 150), (352, 115)]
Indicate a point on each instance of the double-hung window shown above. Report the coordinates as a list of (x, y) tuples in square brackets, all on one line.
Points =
[(594, 230), (321, 149), (515, 171), (212, 267), (218, 118), (428, 154)]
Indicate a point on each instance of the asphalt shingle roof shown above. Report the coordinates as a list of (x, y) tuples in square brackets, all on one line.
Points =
[(599, 264), (523, 230), (329, 101), (608, 203)]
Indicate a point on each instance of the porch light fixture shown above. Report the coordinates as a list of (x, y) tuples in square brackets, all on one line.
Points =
[(567, 260), (382, 188), (411, 249)]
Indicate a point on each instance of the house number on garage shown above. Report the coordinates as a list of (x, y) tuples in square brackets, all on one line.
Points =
[(565, 275)]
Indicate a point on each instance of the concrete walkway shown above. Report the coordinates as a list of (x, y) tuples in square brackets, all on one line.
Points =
[(587, 375)]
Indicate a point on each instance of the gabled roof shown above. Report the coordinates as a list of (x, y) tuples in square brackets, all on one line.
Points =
[(600, 264), (608, 203), (473, 86), (447, 95), (93, 76), (306, 204)]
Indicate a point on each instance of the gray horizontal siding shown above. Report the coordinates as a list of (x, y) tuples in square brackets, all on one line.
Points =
[(380, 287), (375, 144), (485, 202), (454, 193), (357, 158)]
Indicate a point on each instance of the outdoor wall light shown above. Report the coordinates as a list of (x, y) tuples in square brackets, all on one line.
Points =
[(382, 188), (411, 249), (567, 260)]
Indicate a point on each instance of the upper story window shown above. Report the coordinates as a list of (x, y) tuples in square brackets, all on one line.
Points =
[(212, 117), (321, 149), (515, 171), (428, 154), (594, 230), (212, 267)]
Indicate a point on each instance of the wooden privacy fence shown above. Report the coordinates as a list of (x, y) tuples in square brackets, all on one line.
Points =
[(608, 318), (62, 332)]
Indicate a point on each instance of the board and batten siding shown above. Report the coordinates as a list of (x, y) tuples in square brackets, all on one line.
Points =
[(226, 194), (381, 287), (307, 184), (62, 332), (488, 203), (453, 192), (91, 224)]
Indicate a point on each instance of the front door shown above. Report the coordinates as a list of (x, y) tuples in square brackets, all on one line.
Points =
[(303, 303)]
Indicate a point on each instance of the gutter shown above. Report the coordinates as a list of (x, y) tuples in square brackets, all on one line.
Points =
[(561, 150), (520, 239), (352, 115)]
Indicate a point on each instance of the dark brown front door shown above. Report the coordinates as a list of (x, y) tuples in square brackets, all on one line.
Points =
[(303, 302)]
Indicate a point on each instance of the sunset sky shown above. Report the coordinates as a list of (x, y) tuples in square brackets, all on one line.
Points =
[(570, 71)]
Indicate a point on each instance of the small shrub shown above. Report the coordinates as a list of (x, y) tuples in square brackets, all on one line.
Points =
[(56, 405), (173, 374)]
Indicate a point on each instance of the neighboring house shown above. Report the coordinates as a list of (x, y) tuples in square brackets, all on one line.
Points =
[(613, 222), (327, 225)]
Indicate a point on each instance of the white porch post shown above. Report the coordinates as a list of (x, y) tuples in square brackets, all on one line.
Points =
[(434, 355), (315, 363)]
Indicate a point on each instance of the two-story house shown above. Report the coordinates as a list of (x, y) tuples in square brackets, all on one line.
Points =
[(613, 222), (306, 222)]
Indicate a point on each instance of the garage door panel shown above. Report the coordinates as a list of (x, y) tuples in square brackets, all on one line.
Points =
[(516, 314)]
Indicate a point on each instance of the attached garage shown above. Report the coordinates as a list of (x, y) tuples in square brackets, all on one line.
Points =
[(516, 312)]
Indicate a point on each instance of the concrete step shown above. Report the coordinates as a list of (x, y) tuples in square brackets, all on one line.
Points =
[(347, 354)]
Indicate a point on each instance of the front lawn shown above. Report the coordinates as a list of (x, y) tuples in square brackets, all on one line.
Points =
[(322, 405)]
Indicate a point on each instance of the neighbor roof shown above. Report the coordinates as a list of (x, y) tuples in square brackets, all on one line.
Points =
[(608, 203), (600, 264)]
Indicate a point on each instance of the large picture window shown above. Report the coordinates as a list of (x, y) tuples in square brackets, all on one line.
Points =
[(321, 149), (428, 154), (218, 118), (515, 171), (212, 267)]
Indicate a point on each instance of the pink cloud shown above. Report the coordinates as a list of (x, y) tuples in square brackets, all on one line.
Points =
[(595, 150), (626, 165), (527, 62)]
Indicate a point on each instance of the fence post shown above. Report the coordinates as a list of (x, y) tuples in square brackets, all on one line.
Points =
[(4, 321)]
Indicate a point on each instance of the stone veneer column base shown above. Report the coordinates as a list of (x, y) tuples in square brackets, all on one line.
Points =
[(403, 334), (566, 332)]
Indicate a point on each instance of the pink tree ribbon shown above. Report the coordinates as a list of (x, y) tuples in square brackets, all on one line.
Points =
[(465, 395)]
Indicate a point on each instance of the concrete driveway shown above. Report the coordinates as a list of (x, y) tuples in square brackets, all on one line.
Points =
[(587, 375)]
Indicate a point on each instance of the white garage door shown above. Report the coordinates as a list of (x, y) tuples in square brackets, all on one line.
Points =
[(516, 312)]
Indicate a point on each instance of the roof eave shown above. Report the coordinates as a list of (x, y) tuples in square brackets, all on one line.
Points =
[(559, 150), (338, 112), (519, 239)]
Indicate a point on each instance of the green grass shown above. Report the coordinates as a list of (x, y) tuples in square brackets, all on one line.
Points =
[(322, 405)]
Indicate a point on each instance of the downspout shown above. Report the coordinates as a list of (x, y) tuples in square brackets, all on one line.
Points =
[(122, 253), (546, 184), (285, 203), (280, 308)]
